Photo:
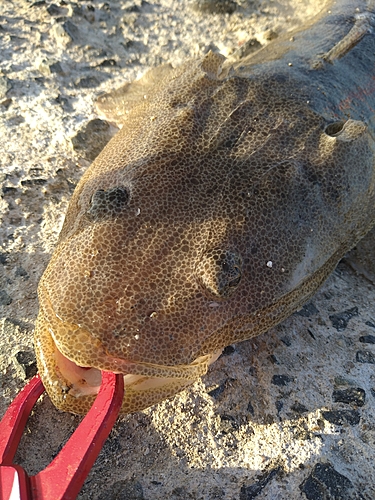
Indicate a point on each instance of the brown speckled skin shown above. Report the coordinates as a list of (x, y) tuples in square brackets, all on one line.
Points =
[(224, 202)]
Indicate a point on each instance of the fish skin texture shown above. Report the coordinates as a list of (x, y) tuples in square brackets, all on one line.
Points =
[(226, 199)]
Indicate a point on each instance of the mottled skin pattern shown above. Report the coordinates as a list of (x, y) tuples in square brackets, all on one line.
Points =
[(221, 206)]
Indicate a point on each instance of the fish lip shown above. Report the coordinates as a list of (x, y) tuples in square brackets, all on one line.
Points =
[(107, 362), (80, 358), (76, 380), (89, 351), (80, 381)]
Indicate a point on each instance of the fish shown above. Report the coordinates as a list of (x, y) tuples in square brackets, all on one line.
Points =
[(227, 198)]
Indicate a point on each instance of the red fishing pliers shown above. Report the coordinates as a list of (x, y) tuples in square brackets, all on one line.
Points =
[(63, 478)]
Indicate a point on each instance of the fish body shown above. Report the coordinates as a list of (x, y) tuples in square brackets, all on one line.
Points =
[(227, 198)]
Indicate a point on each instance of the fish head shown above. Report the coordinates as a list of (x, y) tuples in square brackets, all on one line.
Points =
[(212, 215)]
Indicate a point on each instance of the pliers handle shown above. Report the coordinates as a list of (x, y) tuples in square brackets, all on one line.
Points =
[(63, 478)]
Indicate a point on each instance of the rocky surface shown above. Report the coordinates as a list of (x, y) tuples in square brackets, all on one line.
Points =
[(288, 415)]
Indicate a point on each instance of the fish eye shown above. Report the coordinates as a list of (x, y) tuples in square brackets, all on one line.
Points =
[(334, 129), (110, 203), (346, 131), (219, 272)]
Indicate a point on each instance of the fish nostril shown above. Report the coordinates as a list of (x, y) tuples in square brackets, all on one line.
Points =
[(335, 128), (219, 272), (106, 204)]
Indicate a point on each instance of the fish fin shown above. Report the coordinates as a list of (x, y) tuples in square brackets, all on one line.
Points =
[(362, 257), (212, 64), (115, 105)]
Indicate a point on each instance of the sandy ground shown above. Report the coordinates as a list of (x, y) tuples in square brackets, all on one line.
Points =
[(288, 415)]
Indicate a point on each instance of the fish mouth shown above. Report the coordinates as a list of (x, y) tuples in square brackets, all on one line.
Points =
[(71, 360), (80, 381)]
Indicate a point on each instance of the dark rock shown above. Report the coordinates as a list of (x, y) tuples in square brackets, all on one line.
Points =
[(300, 431), (227, 351), (78, 10), (123, 490), (72, 30), (270, 35), (210, 47), (181, 493), (35, 171), (299, 408), (215, 6), (34, 182), (342, 381), (311, 333), (307, 310), (247, 48), (228, 424), (341, 417), (5, 85), (111, 447), (5, 298), (27, 363), (108, 63), (55, 10), (65, 33), (351, 395), (321, 423), (273, 359), (218, 391), (369, 323), (88, 11), (20, 271), (6, 103), (48, 66), (279, 406), (252, 371), (87, 82), (130, 19), (249, 492), (365, 357), (268, 419), (286, 340), (132, 8), (250, 408), (216, 493), (340, 320), (64, 103), (92, 138), (3, 258), (281, 380), (60, 35), (325, 483), (367, 339), (15, 120)]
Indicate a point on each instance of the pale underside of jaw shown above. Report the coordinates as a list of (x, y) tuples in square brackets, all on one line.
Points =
[(85, 381), (80, 358)]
